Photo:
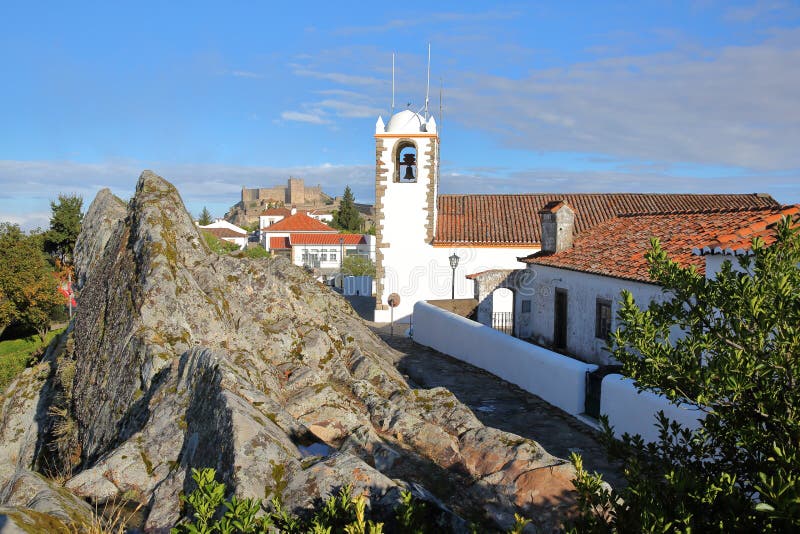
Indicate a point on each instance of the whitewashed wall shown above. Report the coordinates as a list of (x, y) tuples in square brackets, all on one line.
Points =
[(557, 379), (583, 290), (425, 273), (357, 285), (635, 413)]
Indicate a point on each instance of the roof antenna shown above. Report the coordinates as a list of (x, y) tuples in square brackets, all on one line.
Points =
[(441, 106), (428, 86), (392, 83)]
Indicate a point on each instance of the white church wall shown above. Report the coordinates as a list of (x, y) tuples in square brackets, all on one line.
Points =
[(583, 290), (426, 274), (557, 379)]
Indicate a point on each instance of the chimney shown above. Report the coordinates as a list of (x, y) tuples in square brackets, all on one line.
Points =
[(558, 226)]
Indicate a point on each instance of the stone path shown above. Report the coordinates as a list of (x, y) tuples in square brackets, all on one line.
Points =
[(500, 404)]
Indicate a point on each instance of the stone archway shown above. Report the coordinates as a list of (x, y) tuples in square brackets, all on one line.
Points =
[(487, 284)]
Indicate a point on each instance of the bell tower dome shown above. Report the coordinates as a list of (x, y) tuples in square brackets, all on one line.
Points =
[(406, 185)]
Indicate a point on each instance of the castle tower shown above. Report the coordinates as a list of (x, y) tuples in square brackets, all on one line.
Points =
[(406, 182)]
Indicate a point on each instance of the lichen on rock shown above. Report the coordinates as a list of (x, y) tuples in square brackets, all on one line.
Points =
[(186, 359)]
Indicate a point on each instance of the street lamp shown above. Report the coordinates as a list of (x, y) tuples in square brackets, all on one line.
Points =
[(341, 253), (453, 264)]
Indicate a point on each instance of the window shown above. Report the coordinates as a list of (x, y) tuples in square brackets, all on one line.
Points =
[(602, 322), (526, 306), (332, 255), (323, 255)]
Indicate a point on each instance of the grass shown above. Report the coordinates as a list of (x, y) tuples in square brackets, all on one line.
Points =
[(15, 355)]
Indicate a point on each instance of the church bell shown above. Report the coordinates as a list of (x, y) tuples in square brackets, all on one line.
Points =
[(409, 162)]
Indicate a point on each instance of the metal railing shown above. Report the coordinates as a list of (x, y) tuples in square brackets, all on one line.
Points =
[(504, 322)]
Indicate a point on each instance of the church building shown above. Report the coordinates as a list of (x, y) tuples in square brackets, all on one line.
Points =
[(436, 247)]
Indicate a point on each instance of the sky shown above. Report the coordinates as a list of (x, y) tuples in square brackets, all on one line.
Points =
[(689, 97)]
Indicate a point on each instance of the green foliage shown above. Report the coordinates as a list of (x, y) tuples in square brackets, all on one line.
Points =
[(358, 266), (205, 217), (347, 217), (218, 246), (65, 225), (16, 354), (258, 252), (28, 289), (737, 361), (209, 512)]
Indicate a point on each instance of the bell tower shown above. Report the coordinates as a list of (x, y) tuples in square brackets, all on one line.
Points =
[(406, 184)]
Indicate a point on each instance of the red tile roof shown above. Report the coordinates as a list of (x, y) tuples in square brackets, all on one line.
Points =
[(617, 246), (279, 243), (299, 222), (739, 240), (223, 232), (514, 219), (327, 239)]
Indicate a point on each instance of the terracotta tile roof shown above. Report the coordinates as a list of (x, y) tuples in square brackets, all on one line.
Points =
[(223, 232), (617, 246), (739, 239), (299, 222), (279, 243), (514, 219), (326, 239)]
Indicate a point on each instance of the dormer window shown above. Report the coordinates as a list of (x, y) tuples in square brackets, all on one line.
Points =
[(406, 162)]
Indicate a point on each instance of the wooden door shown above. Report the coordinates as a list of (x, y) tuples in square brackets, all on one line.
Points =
[(560, 320)]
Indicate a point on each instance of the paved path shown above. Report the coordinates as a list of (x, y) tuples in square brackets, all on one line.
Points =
[(500, 404)]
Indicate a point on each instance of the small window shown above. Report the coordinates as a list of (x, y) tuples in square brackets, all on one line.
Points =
[(332, 256), (323, 256), (526, 306), (602, 323)]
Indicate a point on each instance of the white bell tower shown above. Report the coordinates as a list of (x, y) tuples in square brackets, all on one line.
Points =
[(406, 188)]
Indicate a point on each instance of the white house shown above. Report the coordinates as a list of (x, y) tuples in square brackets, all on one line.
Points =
[(226, 231), (568, 299), (312, 243)]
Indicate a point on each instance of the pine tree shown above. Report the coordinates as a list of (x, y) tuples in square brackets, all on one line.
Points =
[(347, 217), (205, 217), (65, 225)]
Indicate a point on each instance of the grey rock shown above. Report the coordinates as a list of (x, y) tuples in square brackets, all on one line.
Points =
[(105, 212), (186, 359)]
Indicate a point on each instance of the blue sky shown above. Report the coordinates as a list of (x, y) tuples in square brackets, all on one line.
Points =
[(537, 97)]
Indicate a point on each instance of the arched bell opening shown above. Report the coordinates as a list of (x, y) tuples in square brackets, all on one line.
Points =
[(405, 158)]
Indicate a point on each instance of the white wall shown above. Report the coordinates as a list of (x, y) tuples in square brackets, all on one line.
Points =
[(583, 290), (241, 242), (635, 413), (557, 379), (357, 285), (423, 273)]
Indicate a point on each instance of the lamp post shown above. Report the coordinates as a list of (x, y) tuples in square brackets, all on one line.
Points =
[(453, 264), (341, 261)]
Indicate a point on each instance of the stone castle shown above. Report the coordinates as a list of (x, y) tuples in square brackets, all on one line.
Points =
[(294, 193)]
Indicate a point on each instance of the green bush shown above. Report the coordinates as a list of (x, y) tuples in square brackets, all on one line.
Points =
[(16, 354), (210, 512), (738, 361), (218, 246)]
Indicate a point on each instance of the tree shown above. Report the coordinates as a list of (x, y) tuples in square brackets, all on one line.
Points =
[(347, 216), (65, 225), (738, 361), (28, 289), (205, 217), (358, 266)]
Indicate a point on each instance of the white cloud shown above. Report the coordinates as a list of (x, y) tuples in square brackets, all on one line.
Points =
[(311, 118), (736, 106)]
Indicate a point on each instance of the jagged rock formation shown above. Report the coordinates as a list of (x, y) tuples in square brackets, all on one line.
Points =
[(180, 358), (104, 213)]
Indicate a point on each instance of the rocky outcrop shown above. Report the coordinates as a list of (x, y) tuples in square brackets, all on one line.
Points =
[(182, 358), (105, 212)]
